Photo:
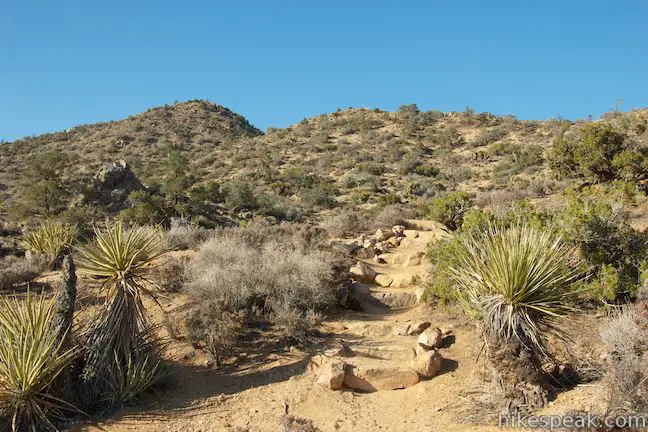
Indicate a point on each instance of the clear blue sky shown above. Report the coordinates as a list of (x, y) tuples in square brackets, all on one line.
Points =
[(275, 62)]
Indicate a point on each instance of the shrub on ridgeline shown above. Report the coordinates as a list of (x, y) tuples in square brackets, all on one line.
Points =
[(598, 151)]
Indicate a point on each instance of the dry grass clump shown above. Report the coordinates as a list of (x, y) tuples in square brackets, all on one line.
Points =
[(391, 215), (626, 382), (17, 270)]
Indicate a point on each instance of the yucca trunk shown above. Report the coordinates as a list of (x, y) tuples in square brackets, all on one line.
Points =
[(518, 372), (65, 303)]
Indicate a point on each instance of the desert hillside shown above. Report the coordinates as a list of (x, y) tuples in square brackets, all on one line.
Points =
[(349, 158)]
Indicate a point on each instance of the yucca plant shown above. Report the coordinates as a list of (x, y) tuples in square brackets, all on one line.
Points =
[(121, 258), (32, 357), (517, 282), (50, 239), (127, 381)]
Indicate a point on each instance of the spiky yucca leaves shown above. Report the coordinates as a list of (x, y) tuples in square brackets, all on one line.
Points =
[(31, 359), (127, 381), (517, 281), (121, 257), (50, 239)]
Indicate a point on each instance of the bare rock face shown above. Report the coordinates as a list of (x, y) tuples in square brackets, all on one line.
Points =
[(363, 272), (112, 185), (375, 377), (431, 338), (427, 364)]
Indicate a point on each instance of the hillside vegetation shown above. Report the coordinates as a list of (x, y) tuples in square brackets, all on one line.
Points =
[(200, 159)]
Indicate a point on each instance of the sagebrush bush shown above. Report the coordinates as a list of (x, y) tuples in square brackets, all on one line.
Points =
[(346, 223), (626, 381), (184, 235), (269, 269), (391, 215), (17, 270), (170, 276)]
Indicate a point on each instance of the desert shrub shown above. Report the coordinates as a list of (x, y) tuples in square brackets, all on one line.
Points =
[(170, 276), (600, 227), (450, 209), (146, 208), (217, 328), (489, 136), (346, 223), (31, 359), (389, 198), (15, 270), (42, 187), (373, 168), (239, 195), (390, 215), (599, 151), (414, 164), (184, 235), (50, 239), (448, 137), (292, 273), (626, 380), (278, 207)]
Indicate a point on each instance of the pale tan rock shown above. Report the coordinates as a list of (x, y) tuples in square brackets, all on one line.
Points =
[(401, 280), (395, 241), (383, 280), (427, 364), (370, 378), (331, 374), (401, 330), (382, 235), (431, 338), (363, 272), (398, 230)]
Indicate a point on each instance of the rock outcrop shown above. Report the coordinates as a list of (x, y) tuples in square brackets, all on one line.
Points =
[(112, 184)]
